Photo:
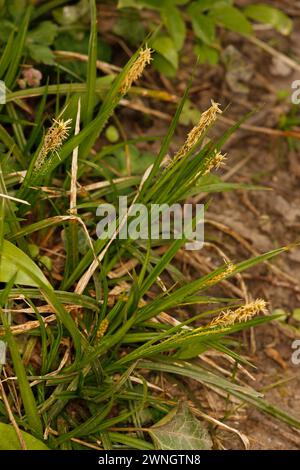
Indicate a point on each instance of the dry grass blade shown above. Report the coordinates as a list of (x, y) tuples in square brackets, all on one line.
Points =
[(11, 417), (73, 189), (15, 199), (221, 425)]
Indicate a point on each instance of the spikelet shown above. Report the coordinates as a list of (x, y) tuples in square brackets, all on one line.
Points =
[(102, 328), (136, 69), (207, 118), (215, 162), (241, 314), (219, 277), (53, 140)]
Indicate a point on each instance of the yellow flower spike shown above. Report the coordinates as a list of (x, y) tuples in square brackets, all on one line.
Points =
[(53, 140), (241, 314), (102, 328), (219, 277), (207, 118), (215, 162), (136, 69)]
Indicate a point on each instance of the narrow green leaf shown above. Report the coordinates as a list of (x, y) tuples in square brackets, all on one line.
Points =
[(12, 146), (245, 394), (91, 66), (28, 399), (18, 49), (129, 441), (7, 54)]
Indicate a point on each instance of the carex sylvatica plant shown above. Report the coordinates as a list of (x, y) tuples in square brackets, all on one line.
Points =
[(95, 329)]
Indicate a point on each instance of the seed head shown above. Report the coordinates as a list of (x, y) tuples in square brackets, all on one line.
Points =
[(55, 136), (207, 118), (136, 70), (102, 328), (219, 277), (215, 162), (241, 314), (53, 140)]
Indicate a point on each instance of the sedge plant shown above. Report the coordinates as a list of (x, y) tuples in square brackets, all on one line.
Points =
[(100, 336)]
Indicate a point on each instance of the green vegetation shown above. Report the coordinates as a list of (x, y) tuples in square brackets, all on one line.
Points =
[(98, 325)]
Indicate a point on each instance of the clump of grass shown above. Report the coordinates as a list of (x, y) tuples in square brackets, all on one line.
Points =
[(99, 325)]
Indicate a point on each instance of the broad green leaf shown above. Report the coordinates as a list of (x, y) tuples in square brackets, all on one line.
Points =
[(180, 430), (13, 260), (130, 27), (16, 9), (163, 66), (139, 161), (156, 4), (232, 19), (153, 4), (9, 439), (203, 26), (206, 54), (166, 47), (129, 4), (180, 2), (174, 23), (270, 15), (205, 5), (296, 314), (44, 33), (190, 114), (41, 54)]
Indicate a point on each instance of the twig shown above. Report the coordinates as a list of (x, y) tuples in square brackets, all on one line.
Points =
[(262, 130), (11, 417), (103, 66), (6, 196), (270, 50)]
